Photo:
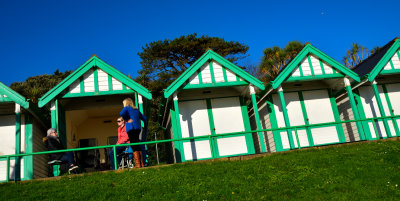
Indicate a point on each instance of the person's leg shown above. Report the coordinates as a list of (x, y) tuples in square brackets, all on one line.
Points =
[(119, 150), (69, 158), (111, 157)]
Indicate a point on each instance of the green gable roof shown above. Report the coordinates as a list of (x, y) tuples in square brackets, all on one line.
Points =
[(382, 57), (12, 96), (211, 55), (93, 61), (308, 48)]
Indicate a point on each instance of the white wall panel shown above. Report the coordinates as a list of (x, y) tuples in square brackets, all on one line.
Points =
[(103, 80), (316, 66), (75, 87), (88, 79), (194, 79), (116, 84), (395, 61), (394, 96), (388, 66), (327, 68), (218, 74), (230, 75), (194, 121), (228, 118), (305, 66), (325, 135), (206, 73), (296, 72)]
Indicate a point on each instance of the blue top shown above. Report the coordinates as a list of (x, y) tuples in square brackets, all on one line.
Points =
[(134, 114)]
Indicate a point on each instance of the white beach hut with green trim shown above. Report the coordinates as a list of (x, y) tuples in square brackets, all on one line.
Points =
[(85, 105), (378, 93), (22, 127), (209, 99), (303, 94)]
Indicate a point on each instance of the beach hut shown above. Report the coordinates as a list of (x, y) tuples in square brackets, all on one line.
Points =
[(22, 127), (378, 93), (209, 99), (303, 94), (85, 105)]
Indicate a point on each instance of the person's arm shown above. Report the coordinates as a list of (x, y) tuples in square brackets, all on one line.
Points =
[(124, 136)]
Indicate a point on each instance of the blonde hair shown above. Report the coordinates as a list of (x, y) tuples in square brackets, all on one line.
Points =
[(128, 102)]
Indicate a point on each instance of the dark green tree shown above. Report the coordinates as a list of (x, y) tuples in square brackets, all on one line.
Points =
[(36, 86), (275, 58)]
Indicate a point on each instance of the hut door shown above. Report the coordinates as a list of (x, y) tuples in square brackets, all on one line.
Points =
[(195, 122), (228, 118), (319, 110)]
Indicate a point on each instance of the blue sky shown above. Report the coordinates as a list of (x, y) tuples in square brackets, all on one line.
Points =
[(37, 37)]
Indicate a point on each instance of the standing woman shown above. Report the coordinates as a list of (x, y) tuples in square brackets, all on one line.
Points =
[(132, 117)]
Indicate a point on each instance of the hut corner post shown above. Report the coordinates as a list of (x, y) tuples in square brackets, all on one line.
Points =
[(354, 108), (257, 118), (286, 116), (17, 172)]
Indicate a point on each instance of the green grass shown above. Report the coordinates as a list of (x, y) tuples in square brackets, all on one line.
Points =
[(358, 171)]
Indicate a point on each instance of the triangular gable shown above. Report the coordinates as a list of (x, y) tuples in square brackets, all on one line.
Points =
[(310, 64), (94, 77), (212, 69), (7, 94), (389, 63)]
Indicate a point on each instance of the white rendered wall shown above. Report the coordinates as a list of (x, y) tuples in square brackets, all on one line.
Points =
[(193, 117), (7, 144), (371, 110), (319, 110), (394, 96), (228, 118)]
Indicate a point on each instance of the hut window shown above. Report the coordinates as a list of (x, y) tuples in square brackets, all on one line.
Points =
[(297, 85), (206, 92)]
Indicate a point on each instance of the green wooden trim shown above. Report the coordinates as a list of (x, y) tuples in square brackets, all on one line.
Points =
[(17, 167), (72, 95), (322, 66), (96, 80), (381, 64), (82, 85), (391, 64), (136, 100), (215, 85), (311, 66), (286, 118), (339, 127), (141, 110), (355, 113), (360, 107), (110, 86), (53, 114), (396, 127), (175, 134), (247, 127), (213, 140), (237, 79), (314, 77), (393, 71), (258, 122), (381, 110), (13, 96), (124, 87), (301, 70), (94, 61), (200, 77), (179, 131), (301, 55), (274, 124), (210, 55), (306, 121), (28, 160), (210, 64), (224, 73)]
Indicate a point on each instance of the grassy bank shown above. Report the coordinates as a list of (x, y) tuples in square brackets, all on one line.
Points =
[(358, 171)]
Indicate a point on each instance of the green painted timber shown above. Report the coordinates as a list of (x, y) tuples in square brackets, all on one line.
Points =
[(28, 160), (225, 75), (210, 64), (13, 96), (389, 103), (82, 85), (212, 140), (314, 77), (175, 136), (360, 107), (381, 110), (322, 66), (110, 86), (100, 93), (391, 64), (384, 60), (96, 80), (258, 123), (286, 118), (311, 66), (355, 113), (274, 124), (200, 77), (17, 167), (247, 127), (215, 85), (178, 129), (306, 121), (301, 71), (339, 127)]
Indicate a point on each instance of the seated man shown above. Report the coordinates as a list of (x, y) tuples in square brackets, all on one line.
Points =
[(53, 143), (122, 139)]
